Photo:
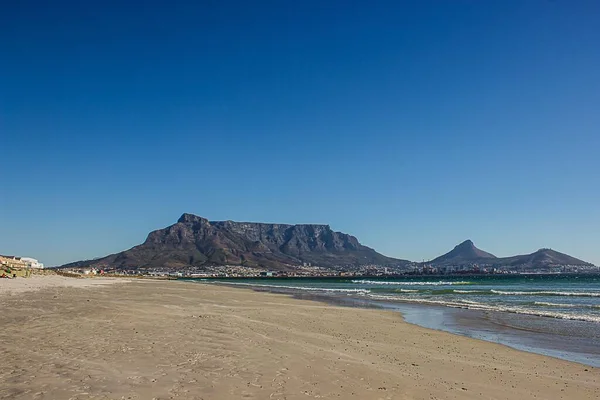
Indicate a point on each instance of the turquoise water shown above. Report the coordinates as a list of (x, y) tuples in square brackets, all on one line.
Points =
[(567, 297)]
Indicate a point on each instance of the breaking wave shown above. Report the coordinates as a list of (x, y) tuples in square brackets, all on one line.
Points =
[(469, 291), (420, 283), (564, 305), (488, 307), (308, 288), (547, 293)]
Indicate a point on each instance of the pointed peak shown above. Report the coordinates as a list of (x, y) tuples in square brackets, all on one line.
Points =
[(190, 218), (463, 253), (466, 244)]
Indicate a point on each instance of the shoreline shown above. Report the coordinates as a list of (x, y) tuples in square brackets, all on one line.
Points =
[(456, 321), (167, 339)]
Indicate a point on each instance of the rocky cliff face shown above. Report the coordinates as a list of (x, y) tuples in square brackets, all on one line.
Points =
[(196, 241)]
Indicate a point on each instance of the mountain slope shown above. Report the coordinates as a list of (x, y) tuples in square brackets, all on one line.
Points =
[(542, 258), (464, 253), (196, 241)]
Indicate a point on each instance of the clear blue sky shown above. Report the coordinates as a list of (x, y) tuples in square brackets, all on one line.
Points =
[(411, 125)]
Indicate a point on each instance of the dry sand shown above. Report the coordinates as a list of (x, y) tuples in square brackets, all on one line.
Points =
[(37, 282), (177, 340)]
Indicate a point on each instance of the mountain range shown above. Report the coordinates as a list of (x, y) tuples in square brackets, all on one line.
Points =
[(194, 241), (466, 253)]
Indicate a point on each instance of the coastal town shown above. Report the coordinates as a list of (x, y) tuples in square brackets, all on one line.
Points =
[(238, 271), (15, 266), (464, 259)]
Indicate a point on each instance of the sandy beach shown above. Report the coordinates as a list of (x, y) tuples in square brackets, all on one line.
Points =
[(64, 338), (38, 282)]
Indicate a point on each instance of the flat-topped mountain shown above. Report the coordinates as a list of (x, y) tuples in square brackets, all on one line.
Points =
[(196, 241), (466, 252)]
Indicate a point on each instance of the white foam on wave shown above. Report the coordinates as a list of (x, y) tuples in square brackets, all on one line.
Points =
[(559, 315), (563, 305), (420, 283), (469, 302), (307, 288), (488, 307), (546, 293), (457, 304), (469, 291)]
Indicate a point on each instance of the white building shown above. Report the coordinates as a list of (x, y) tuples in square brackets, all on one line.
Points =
[(32, 263)]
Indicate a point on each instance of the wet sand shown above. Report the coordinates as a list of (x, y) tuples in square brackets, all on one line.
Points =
[(577, 341), (180, 340), (499, 327)]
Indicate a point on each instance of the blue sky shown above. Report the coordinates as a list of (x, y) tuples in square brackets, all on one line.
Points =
[(411, 125)]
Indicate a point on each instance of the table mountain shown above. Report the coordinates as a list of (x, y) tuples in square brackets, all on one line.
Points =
[(196, 241)]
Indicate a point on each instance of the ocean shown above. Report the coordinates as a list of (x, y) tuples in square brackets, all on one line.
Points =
[(556, 315)]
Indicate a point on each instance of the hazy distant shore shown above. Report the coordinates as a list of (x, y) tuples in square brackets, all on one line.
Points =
[(165, 339)]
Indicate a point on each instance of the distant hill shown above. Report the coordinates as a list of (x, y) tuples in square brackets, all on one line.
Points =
[(196, 241), (543, 257), (464, 253)]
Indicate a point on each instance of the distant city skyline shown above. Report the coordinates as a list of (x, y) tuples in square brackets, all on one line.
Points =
[(411, 125)]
